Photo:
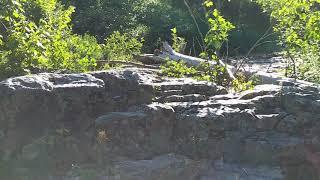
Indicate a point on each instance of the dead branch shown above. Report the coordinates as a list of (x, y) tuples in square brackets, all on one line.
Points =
[(169, 53)]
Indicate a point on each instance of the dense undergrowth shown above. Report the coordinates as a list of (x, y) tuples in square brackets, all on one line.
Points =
[(36, 36), (74, 36)]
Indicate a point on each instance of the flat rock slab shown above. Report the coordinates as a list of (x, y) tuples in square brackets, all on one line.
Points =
[(225, 171)]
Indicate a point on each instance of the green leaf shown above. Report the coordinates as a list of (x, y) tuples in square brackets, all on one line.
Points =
[(208, 3), (215, 13), (174, 30)]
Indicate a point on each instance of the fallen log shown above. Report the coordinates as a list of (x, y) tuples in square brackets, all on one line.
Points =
[(169, 53), (149, 59)]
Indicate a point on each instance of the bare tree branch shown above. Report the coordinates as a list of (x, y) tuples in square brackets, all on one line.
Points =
[(195, 22)]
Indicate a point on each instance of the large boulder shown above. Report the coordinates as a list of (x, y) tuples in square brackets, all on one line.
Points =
[(133, 124), (53, 113)]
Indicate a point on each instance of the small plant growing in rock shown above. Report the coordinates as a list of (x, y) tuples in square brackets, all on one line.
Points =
[(177, 69), (243, 83), (240, 85)]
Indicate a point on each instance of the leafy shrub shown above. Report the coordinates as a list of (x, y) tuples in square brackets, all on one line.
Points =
[(103, 17), (85, 50), (309, 67), (242, 83), (177, 69), (218, 33), (122, 46), (298, 23), (36, 36), (239, 85), (219, 29), (216, 36), (203, 72), (211, 73)]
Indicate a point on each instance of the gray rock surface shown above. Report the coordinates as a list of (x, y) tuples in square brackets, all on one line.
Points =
[(131, 124), (140, 134), (165, 167)]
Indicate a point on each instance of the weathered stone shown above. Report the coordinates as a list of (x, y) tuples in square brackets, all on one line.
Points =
[(185, 98), (191, 86), (260, 90), (118, 118), (166, 167), (109, 119), (268, 122), (225, 171), (140, 134)]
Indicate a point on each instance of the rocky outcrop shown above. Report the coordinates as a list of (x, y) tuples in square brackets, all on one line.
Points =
[(139, 134), (132, 124)]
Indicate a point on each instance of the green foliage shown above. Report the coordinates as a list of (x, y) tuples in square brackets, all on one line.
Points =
[(102, 17), (85, 51), (298, 23), (122, 46), (36, 36), (309, 67), (215, 37), (203, 72), (206, 72), (219, 29), (179, 43), (251, 24), (211, 73), (177, 69), (242, 84), (239, 85), (162, 15), (217, 34)]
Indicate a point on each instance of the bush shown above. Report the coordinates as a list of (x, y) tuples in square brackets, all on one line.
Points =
[(177, 69), (219, 29), (35, 36), (298, 24), (215, 74), (86, 51), (122, 46), (205, 72), (243, 83)]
